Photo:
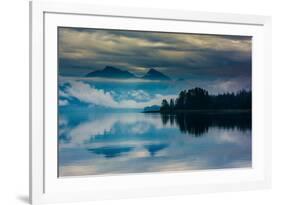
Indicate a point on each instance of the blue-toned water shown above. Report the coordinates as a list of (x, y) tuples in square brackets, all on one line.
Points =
[(93, 143)]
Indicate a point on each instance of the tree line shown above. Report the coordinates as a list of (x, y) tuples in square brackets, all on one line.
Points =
[(200, 99)]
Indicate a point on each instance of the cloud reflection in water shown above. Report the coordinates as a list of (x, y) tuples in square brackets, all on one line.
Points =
[(136, 142)]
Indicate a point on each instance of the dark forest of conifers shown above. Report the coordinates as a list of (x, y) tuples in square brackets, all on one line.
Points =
[(200, 99)]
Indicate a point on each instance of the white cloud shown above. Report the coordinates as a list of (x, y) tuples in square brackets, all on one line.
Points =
[(63, 102), (63, 94), (63, 121), (86, 93), (139, 95)]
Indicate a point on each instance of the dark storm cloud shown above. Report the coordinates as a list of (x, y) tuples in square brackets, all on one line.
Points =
[(178, 55)]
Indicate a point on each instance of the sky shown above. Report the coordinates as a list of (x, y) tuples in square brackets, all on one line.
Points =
[(217, 63), (189, 55)]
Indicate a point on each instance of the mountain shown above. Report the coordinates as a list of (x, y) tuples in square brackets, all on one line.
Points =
[(111, 72), (153, 108), (153, 74)]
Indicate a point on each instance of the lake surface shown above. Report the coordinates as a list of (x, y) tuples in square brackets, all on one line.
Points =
[(93, 143)]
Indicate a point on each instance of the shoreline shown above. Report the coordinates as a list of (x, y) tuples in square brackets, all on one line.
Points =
[(205, 111)]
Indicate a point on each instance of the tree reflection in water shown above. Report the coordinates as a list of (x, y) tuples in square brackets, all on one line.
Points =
[(199, 123)]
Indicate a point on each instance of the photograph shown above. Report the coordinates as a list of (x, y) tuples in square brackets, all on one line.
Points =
[(132, 101)]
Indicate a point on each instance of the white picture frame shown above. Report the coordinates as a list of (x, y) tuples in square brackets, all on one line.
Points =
[(46, 187)]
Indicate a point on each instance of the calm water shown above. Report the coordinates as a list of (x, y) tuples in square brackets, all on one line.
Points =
[(111, 143)]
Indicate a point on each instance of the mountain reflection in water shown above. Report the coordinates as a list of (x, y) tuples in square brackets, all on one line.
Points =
[(115, 143)]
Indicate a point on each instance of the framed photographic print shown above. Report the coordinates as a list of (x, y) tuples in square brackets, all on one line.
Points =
[(129, 102)]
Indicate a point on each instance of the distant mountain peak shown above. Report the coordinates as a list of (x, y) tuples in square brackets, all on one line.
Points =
[(111, 68), (111, 72), (153, 74), (152, 70)]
